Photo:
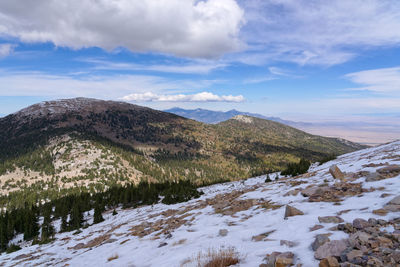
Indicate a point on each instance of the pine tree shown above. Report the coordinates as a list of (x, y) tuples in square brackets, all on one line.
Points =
[(114, 212), (76, 219), (47, 227), (64, 223), (97, 214)]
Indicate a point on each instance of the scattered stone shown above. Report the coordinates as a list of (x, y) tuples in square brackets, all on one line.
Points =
[(163, 244), (329, 262), (336, 172), (262, 236), (292, 211), (374, 176), (331, 248), (330, 219), (223, 232), (293, 192), (395, 201), (288, 243), (309, 191), (381, 212), (284, 259), (319, 241), (389, 171), (354, 254), (316, 227), (338, 191), (360, 223)]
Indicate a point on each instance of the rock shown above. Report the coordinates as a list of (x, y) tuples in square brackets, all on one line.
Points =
[(332, 248), (394, 201), (359, 238), (311, 191), (271, 258), (389, 171), (354, 254), (292, 211), (319, 241), (336, 172), (316, 227), (392, 208), (163, 244), (380, 212), (284, 259), (329, 262), (360, 223), (330, 219), (374, 176), (223, 232), (262, 236), (288, 243)]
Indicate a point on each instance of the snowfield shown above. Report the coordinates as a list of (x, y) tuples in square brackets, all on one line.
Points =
[(248, 215)]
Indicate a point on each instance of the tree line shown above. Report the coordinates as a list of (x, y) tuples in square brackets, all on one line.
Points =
[(71, 209)]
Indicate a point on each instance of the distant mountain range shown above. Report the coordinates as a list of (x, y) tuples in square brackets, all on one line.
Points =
[(364, 132), (213, 117)]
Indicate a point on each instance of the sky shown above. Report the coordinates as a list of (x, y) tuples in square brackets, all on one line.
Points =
[(305, 60)]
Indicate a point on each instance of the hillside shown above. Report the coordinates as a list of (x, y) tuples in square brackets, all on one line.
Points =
[(59, 147), (303, 220)]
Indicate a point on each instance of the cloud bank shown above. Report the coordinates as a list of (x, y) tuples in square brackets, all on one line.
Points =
[(385, 80), (317, 31), (190, 28), (200, 97)]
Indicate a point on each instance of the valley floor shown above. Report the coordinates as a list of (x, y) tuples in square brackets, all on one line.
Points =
[(247, 215)]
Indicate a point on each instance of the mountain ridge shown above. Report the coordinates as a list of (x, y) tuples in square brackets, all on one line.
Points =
[(62, 146)]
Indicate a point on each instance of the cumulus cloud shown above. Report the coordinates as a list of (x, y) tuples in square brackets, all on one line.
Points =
[(317, 31), (190, 28), (29, 83), (200, 97), (5, 49), (385, 80)]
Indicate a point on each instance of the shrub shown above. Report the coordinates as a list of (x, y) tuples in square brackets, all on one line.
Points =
[(13, 248), (113, 257), (221, 257), (294, 169)]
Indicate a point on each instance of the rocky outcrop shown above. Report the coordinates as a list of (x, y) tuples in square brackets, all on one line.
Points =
[(292, 211), (336, 172), (331, 248), (330, 219)]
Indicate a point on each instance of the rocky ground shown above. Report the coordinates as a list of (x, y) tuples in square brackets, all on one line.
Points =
[(345, 212)]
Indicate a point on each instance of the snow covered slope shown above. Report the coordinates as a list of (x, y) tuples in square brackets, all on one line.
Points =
[(249, 215)]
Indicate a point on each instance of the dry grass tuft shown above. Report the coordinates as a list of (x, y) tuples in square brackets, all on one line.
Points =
[(221, 257), (113, 257)]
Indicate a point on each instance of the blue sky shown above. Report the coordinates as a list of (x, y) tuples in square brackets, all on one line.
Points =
[(297, 59)]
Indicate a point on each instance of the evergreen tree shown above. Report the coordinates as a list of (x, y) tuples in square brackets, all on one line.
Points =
[(114, 212), (97, 214), (76, 219), (64, 223), (47, 227)]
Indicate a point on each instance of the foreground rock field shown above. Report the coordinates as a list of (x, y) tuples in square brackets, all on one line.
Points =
[(310, 220)]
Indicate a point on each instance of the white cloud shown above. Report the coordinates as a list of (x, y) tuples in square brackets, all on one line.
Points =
[(385, 80), (199, 97), (106, 86), (198, 67), (317, 31), (189, 28), (6, 49)]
